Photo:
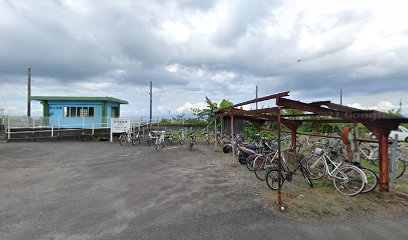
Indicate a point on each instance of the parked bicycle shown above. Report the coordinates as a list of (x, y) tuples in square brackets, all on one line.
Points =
[(264, 163), (347, 179), (159, 143), (370, 153), (206, 138), (181, 137), (276, 178), (129, 137), (192, 141)]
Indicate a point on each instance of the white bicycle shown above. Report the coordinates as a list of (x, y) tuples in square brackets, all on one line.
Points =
[(182, 138), (348, 180), (159, 143)]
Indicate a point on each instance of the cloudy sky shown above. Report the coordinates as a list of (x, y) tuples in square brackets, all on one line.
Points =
[(196, 48)]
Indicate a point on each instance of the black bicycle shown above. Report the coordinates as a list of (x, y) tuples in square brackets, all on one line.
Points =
[(274, 175)]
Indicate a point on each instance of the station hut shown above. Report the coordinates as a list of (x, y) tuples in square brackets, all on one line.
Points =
[(79, 112)]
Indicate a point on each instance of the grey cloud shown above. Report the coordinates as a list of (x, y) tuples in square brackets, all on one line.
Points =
[(243, 15), (121, 42)]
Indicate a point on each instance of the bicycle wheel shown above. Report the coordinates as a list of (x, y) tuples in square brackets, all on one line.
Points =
[(349, 180), (250, 163), (272, 179), (315, 167), (306, 175), (191, 146), (134, 139), (400, 168), (372, 179), (123, 139), (258, 161), (262, 170)]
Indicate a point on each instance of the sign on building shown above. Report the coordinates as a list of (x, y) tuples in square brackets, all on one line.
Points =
[(119, 125)]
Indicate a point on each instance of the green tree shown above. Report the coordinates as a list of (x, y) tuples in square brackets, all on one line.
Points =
[(225, 103), (179, 118), (208, 114)]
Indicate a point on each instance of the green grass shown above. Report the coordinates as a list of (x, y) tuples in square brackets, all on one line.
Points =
[(401, 186), (322, 183)]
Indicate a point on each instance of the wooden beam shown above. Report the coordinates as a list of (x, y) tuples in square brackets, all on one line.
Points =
[(263, 110), (324, 120), (377, 123), (273, 96), (300, 115)]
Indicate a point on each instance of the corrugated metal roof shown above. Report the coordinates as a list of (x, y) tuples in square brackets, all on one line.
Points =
[(70, 98)]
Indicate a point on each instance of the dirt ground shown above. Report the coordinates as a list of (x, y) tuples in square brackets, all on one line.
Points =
[(303, 202), (100, 190)]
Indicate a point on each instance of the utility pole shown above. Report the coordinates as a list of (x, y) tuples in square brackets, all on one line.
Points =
[(256, 96), (400, 106), (29, 93), (341, 96), (151, 97)]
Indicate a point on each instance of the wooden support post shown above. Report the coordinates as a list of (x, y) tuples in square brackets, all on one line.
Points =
[(293, 137), (222, 128), (215, 133), (279, 200), (232, 140), (383, 162), (357, 144)]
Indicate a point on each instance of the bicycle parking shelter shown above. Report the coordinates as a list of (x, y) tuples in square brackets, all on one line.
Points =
[(379, 123)]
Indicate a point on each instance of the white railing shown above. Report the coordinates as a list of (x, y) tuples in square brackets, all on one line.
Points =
[(23, 125)]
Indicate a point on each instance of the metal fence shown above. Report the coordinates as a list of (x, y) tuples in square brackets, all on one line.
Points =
[(31, 127)]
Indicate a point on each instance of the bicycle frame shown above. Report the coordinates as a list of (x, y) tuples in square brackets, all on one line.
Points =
[(159, 138), (373, 155), (181, 136), (336, 167), (268, 157)]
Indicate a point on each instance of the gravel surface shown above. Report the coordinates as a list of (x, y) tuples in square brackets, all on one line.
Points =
[(100, 190)]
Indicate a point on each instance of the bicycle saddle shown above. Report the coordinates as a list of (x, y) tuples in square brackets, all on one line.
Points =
[(355, 163), (318, 151)]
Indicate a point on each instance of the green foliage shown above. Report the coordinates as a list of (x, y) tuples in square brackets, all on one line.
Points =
[(250, 129), (165, 122), (207, 114), (194, 121), (225, 103), (179, 118), (292, 111), (395, 112), (322, 183), (269, 135), (187, 121)]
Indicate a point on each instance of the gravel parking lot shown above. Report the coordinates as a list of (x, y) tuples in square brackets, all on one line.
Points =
[(100, 190)]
